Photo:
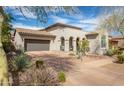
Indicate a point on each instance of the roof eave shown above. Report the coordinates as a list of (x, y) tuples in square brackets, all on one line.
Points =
[(61, 24), (36, 34)]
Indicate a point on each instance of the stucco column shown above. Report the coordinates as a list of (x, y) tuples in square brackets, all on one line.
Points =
[(107, 40), (66, 45), (74, 45)]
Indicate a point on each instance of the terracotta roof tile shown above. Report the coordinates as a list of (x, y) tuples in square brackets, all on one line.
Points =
[(33, 32), (62, 24)]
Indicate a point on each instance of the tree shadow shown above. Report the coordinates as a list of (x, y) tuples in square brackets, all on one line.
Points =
[(117, 62), (58, 63)]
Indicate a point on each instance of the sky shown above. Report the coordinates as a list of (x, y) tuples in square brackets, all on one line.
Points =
[(88, 19)]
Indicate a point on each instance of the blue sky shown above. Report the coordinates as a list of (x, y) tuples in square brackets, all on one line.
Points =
[(87, 19)]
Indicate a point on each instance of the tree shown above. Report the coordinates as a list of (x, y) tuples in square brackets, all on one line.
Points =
[(41, 14), (83, 47), (114, 20), (3, 62)]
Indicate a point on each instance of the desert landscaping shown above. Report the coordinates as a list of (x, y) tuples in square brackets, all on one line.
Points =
[(93, 70)]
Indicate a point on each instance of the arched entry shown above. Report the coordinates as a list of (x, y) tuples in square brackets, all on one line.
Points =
[(71, 44), (77, 40), (62, 46)]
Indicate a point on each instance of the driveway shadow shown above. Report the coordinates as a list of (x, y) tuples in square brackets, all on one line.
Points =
[(59, 63)]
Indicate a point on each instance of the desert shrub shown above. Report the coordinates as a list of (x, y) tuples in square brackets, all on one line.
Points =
[(17, 64), (109, 52), (20, 62), (20, 51), (116, 51), (39, 63), (61, 76), (121, 58), (39, 77), (113, 51), (83, 46), (8, 47)]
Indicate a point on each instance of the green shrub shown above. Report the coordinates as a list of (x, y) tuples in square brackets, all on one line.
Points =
[(109, 52), (8, 47), (121, 58), (18, 64), (61, 76), (39, 63), (21, 62), (116, 51)]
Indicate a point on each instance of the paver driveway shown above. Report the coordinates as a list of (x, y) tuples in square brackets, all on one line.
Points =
[(94, 70)]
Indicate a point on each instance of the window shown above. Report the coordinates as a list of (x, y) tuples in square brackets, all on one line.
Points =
[(103, 41), (62, 46), (71, 44)]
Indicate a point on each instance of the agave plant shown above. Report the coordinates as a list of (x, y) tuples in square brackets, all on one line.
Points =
[(17, 65)]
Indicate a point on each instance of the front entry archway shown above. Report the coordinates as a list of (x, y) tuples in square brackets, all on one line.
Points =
[(71, 44), (62, 46), (77, 44)]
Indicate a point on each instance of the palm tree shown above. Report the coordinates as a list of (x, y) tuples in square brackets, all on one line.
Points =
[(41, 14)]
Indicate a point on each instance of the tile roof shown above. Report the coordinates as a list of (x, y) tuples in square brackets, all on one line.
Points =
[(33, 32), (62, 24)]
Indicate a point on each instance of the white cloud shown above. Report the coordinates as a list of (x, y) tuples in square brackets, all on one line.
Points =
[(60, 19), (21, 25), (86, 24), (85, 27), (94, 21)]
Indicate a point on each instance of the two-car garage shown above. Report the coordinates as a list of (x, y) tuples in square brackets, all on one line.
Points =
[(33, 40), (37, 45)]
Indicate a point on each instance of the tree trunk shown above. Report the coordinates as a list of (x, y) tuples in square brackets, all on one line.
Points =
[(15, 77), (3, 60)]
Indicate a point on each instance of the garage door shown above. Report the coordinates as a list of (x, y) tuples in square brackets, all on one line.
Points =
[(37, 45)]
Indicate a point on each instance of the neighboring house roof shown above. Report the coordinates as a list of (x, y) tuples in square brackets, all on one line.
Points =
[(33, 32), (117, 37), (63, 25), (92, 33), (118, 40)]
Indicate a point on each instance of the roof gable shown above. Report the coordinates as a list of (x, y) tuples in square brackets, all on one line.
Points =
[(61, 25)]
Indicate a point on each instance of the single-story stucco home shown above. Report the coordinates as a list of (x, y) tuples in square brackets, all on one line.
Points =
[(60, 37)]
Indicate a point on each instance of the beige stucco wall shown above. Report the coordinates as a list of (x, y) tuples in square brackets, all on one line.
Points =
[(65, 32), (18, 41), (103, 32), (94, 43)]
